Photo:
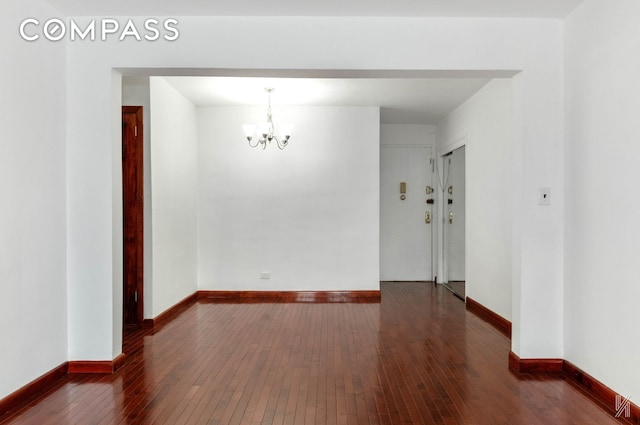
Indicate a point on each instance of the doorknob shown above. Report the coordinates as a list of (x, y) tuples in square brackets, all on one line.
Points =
[(427, 217), (451, 217)]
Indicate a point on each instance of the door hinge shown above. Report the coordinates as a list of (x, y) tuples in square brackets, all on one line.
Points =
[(135, 296), (136, 131)]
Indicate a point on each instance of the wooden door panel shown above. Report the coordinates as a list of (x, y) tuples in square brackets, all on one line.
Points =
[(133, 213)]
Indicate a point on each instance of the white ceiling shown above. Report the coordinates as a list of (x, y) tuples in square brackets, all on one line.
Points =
[(405, 8), (402, 100)]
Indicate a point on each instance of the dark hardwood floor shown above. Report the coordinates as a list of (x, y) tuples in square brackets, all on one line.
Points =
[(458, 287), (418, 357)]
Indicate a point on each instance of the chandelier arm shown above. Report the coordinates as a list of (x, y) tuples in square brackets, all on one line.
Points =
[(256, 145), (281, 145)]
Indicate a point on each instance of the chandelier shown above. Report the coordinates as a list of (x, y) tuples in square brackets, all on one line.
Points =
[(267, 130)]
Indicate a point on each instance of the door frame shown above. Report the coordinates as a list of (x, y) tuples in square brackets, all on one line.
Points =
[(455, 271)]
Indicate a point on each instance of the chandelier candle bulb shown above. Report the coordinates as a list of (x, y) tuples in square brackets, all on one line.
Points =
[(249, 129), (266, 129), (287, 130)]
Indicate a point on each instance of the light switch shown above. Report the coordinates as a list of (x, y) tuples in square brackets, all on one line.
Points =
[(544, 196)]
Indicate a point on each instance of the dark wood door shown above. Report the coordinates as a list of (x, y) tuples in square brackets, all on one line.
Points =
[(133, 208)]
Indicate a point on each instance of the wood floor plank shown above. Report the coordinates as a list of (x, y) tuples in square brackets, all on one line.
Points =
[(418, 357)]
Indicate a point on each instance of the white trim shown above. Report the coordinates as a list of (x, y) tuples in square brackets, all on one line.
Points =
[(452, 146)]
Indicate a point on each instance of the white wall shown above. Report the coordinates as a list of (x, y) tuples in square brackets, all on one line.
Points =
[(532, 45), (33, 304), (136, 92), (117, 218), (408, 134), (307, 214), (485, 124), (602, 173), (174, 186)]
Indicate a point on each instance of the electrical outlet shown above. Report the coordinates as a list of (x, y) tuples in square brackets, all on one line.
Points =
[(544, 196), (265, 275)]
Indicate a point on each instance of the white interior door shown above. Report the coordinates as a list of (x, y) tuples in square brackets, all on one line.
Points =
[(454, 217), (405, 236)]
